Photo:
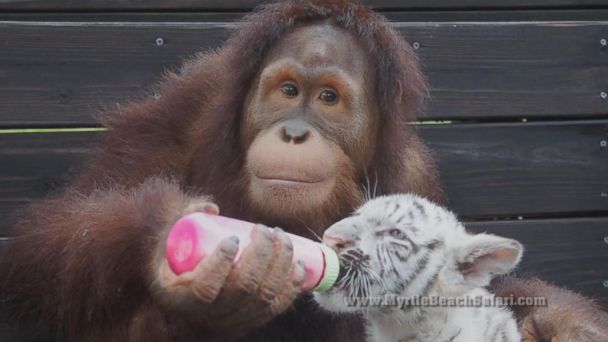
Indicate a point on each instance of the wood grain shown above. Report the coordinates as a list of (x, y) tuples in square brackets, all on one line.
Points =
[(63, 73), (526, 169), (187, 5)]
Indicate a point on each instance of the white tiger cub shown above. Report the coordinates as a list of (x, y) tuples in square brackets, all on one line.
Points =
[(405, 246)]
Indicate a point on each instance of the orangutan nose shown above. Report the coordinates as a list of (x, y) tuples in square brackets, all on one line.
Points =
[(337, 242), (295, 131)]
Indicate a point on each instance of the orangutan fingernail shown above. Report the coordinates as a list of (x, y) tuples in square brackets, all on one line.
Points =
[(235, 239), (209, 208)]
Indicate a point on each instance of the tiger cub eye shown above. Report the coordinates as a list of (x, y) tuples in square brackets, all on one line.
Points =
[(396, 233)]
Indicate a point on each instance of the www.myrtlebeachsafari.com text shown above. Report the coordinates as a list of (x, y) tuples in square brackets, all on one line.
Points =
[(438, 301)]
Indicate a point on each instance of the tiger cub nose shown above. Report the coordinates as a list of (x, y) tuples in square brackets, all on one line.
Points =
[(337, 242)]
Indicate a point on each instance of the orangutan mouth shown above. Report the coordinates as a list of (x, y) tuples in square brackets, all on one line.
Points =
[(287, 181)]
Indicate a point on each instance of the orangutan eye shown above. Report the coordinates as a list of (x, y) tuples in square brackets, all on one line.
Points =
[(328, 96), (289, 89), (396, 233)]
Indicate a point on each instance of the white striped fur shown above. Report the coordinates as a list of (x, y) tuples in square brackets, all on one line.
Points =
[(407, 246)]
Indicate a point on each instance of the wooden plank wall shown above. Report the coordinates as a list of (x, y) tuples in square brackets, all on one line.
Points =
[(520, 90), (481, 70), (243, 5)]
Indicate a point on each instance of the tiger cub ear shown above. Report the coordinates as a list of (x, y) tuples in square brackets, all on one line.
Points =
[(480, 257)]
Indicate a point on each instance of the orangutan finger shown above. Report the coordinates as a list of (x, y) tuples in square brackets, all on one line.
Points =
[(210, 275), (530, 329), (253, 264), (279, 268), (291, 290), (272, 284)]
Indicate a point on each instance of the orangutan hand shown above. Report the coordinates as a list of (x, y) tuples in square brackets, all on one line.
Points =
[(567, 316), (564, 324), (229, 299)]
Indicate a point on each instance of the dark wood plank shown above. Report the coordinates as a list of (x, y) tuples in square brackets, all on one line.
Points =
[(65, 77), (567, 252), (504, 69), (62, 73), (33, 166), (526, 169), (3, 242), (113, 5), (488, 170), (430, 15)]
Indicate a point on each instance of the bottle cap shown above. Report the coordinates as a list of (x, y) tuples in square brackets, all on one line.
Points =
[(332, 269)]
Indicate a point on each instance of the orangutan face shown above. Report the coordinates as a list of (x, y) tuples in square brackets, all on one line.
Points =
[(310, 122)]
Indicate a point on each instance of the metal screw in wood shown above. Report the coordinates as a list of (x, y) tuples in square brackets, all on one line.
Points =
[(160, 41)]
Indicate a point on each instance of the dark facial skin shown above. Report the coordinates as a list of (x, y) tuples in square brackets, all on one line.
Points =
[(310, 120)]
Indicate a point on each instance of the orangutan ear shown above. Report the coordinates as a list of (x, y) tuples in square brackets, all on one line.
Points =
[(482, 256)]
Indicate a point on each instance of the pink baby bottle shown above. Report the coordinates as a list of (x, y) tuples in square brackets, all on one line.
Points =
[(195, 236)]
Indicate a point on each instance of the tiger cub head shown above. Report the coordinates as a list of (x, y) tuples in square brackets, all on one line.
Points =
[(405, 245)]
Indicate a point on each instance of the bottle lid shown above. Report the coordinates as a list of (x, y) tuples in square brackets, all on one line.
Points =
[(332, 269)]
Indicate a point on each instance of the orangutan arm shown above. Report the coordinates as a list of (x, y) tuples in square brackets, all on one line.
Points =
[(92, 265), (81, 261)]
